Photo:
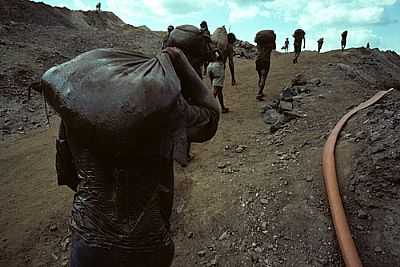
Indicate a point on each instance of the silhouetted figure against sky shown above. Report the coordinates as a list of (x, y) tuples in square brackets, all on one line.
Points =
[(169, 30), (320, 43), (344, 40), (368, 46), (286, 46), (266, 42), (98, 7), (299, 37)]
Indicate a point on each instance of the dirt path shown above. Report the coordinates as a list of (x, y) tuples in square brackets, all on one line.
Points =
[(248, 199)]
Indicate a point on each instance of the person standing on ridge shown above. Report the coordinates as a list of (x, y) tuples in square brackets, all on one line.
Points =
[(286, 47), (320, 43), (169, 30), (98, 7), (344, 40), (299, 36)]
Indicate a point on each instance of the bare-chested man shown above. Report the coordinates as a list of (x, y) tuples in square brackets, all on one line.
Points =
[(299, 36), (265, 44)]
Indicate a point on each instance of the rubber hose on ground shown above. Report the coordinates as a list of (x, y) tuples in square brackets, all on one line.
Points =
[(347, 247)]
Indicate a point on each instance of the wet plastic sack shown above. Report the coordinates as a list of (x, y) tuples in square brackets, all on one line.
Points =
[(112, 94)]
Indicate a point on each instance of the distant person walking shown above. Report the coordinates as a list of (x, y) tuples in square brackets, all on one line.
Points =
[(344, 40), (228, 55), (368, 46), (98, 7), (286, 46), (265, 41), (320, 43), (299, 36), (169, 30), (216, 73)]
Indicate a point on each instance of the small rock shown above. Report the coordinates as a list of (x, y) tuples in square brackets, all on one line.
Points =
[(258, 249), (362, 214), (264, 201), (31, 109), (213, 262), (223, 165), (64, 263), (223, 236), (240, 148), (55, 257), (264, 225), (190, 235), (378, 249), (309, 179), (201, 253), (315, 81), (53, 228)]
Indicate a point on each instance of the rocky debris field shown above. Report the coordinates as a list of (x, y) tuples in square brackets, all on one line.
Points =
[(372, 187), (253, 195)]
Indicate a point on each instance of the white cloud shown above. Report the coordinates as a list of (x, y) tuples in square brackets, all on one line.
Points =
[(237, 12)]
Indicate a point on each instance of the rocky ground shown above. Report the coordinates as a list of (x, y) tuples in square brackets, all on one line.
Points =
[(254, 195)]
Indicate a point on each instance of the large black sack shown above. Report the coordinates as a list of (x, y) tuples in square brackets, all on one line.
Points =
[(266, 38), (113, 96), (194, 43)]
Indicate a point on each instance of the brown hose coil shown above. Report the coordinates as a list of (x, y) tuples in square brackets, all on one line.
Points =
[(343, 234)]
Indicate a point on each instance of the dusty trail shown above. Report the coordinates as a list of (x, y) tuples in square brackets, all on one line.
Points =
[(248, 199)]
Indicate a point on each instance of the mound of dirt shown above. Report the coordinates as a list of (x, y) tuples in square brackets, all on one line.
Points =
[(373, 188), (35, 37)]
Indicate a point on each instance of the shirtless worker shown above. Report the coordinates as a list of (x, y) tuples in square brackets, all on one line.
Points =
[(124, 182), (228, 55), (265, 41), (320, 43), (344, 40), (299, 36), (216, 73)]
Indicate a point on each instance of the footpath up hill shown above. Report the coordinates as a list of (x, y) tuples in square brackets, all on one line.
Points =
[(251, 197)]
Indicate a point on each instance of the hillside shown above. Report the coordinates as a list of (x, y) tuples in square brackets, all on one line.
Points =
[(253, 195), (35, 37)]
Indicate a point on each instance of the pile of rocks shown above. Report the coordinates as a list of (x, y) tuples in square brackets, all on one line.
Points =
[(285, 108)]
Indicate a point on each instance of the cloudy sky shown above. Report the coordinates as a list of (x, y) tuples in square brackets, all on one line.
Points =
[(373, 21)]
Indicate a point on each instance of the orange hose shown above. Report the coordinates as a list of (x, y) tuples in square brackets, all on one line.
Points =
[(343, 234)]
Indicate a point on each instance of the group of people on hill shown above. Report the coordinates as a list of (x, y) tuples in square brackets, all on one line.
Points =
[(299, 35), (123, 176)]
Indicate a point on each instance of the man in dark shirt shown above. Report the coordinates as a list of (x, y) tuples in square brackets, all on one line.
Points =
[(299, 36), (124, 195), (266, 42), (344, 40)]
